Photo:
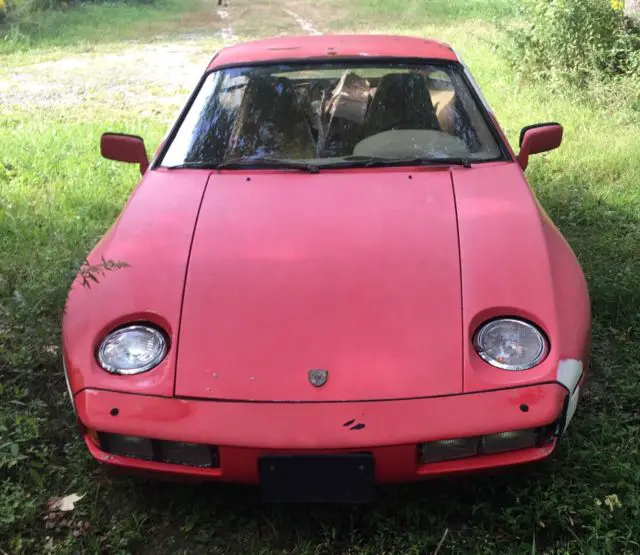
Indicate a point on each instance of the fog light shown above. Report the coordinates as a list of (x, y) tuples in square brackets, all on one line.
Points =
[(448, 449), (127, 446), (191, 454), (509, 441), (172, 452)]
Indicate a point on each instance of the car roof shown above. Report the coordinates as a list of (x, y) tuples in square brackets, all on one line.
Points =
[(332, 47)]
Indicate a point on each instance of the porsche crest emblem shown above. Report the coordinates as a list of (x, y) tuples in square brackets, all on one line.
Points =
[(318, 378)]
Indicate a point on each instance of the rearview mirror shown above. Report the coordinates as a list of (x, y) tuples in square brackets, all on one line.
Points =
[(540, 137), (124, 148)]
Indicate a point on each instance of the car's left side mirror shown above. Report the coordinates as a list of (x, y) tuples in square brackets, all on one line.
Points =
[(538, 138), (124, 148)]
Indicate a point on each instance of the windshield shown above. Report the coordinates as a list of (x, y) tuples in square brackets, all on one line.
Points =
[(323, 114)]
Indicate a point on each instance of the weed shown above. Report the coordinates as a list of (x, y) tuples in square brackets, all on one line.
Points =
[(87, 24), (57, 197), (577, 40)]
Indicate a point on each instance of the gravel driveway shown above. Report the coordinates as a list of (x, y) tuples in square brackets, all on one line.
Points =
[(150, 75)]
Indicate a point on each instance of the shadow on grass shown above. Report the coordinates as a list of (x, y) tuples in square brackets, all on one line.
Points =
[(561, 502)]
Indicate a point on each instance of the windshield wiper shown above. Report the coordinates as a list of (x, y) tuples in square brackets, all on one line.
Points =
[(347, 162), (250, 162), (194, 166), (376, 162)]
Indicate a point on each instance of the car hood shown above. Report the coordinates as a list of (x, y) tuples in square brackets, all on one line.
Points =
[(506, 248), (139, 268), (358, 276)]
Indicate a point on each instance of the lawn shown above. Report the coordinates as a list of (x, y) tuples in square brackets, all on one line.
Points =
[(87, 25), (57, 196)]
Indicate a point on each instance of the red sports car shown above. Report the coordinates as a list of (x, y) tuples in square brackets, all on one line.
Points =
[(332, 274)]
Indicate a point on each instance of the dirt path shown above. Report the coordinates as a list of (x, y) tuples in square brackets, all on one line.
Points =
[(160, 71)]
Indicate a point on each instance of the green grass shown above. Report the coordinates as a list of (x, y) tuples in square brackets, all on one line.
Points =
[(86, 25), (436, 11), (57, 196)]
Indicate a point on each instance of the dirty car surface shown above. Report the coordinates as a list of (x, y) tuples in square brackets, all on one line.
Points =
[(332, 274)]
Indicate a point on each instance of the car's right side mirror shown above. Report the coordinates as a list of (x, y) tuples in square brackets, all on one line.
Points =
[(540, 137), (124, 148)]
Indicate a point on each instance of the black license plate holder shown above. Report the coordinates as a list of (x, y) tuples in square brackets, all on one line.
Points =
[(344, 478)]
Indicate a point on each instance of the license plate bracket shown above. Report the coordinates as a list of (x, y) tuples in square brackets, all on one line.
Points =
[(344, 478)]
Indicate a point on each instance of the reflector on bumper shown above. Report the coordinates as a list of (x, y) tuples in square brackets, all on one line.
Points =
[(510, 441), (450, 449), (127, 446), (172, 452)]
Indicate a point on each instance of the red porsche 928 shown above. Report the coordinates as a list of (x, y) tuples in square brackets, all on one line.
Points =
[(336, 276)]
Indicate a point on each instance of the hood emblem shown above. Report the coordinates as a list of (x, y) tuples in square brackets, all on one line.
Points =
[(317, 377)]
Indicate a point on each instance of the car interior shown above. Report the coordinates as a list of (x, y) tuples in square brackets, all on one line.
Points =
[(397, 113)]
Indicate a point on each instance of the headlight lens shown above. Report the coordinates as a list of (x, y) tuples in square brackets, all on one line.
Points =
[(511, 344), (132, 350)]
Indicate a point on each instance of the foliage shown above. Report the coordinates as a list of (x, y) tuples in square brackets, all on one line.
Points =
[(27, 23), (27, 6), (575, 39), (428, 11), (18, 10), (89, 273), (57, 197), (88, 24)]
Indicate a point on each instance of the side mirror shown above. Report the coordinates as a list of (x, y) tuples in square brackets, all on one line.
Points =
[(124, 148), (540, 137)]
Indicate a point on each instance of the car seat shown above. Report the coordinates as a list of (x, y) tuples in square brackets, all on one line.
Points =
[(401, 101), (346, 109), (271, 122)]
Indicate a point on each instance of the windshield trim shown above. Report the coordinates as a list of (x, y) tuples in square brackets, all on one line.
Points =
[(459, 67)]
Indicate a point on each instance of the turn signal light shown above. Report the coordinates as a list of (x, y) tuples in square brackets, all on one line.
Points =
[(459, 448), (172, 452)]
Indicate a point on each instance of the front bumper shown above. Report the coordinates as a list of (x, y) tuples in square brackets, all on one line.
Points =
[(389, 430)]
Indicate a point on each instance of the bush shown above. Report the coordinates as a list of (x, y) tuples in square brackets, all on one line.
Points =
[(17, 10), (574, 39)]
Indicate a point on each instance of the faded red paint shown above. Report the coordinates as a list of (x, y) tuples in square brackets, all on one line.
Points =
[(392, 428), (152, 235), (331, 47), (360, 276), (380, 276)]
